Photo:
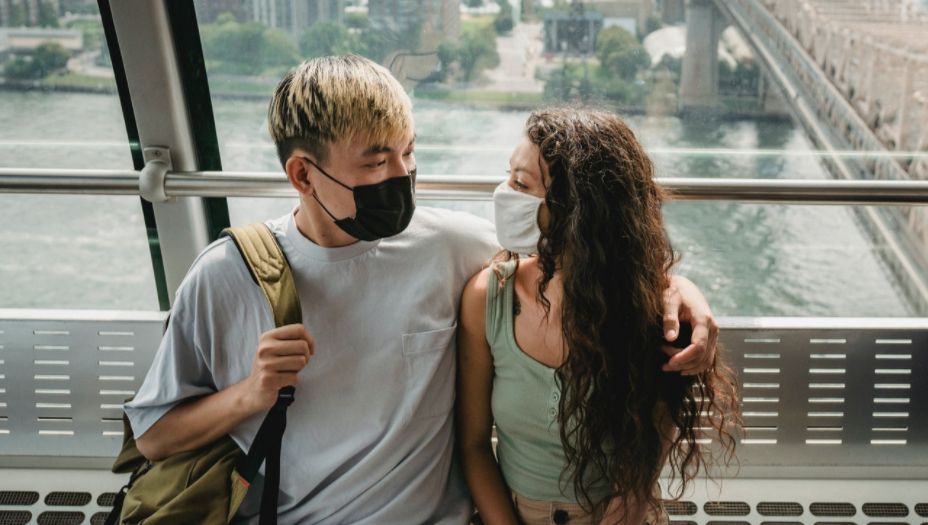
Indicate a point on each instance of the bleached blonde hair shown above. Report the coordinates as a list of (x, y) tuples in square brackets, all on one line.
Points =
[(335, 98)]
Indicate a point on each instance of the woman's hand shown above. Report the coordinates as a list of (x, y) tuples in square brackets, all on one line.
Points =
[(684, 302)]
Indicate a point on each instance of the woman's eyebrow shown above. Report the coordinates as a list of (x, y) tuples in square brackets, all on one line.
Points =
[(525, 170)]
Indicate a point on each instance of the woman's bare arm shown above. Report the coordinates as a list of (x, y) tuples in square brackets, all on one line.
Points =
[(474, 417)]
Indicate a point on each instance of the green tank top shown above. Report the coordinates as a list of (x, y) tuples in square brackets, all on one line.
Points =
[(525, 406)]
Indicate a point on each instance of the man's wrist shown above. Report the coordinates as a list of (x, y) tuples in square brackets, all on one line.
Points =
[(243, 402)]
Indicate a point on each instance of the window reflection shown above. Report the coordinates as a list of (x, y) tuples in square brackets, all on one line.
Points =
[(59, 109), (58, 102), (686, 77)]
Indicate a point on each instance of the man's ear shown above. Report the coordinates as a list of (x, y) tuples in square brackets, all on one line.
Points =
[(298, 174)]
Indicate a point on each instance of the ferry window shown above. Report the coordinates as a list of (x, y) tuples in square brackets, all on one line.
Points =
[(688, 80), (772, 260), (59, 110), (59, 104)]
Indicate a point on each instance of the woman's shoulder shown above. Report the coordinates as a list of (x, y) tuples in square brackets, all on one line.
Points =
[(478, 284), (472, 314), (502, 270), (475, 291)]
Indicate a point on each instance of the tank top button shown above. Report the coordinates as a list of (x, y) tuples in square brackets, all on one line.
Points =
[(561, 517), (556, 396)]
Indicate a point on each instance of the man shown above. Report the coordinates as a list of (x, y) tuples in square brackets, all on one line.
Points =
[(369, 437)]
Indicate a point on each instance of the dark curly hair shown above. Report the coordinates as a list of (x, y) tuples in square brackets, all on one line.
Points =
[(621, 417)]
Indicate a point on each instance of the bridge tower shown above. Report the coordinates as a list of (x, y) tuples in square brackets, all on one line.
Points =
[(699, 85)]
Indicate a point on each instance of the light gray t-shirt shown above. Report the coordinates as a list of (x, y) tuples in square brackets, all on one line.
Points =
[(369, 437)]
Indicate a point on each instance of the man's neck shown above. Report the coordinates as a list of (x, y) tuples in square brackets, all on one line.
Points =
[(319, 228)]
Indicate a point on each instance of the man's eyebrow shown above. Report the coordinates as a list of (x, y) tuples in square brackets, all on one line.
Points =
[(377, 149)]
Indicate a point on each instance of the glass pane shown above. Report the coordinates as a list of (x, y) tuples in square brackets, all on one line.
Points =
[(80, 252), (702, 106), (796, 261), (59, 109), (58, 106)]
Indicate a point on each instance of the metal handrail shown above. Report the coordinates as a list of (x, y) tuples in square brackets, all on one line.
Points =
[(457, 187)]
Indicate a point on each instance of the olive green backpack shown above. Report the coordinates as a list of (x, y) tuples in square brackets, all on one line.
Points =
[(206, 486)]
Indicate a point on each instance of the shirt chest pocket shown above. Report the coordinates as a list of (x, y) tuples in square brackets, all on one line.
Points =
[(430, 363)]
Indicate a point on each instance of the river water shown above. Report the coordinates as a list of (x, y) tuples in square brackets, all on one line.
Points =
[(90, 252)]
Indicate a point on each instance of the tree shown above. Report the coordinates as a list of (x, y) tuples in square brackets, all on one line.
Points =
[(92, 31), (669, 63), (620, 54), (17, 15), (327, 38), (246, 49), (48, 58), (376, 45), (628, 93), (277, 49), (47, 15), (357, 21), (226, 17), (651, 24), (477, 47), (447, 55), (504, 21), (22, 69), (51, 57), (560, 83)]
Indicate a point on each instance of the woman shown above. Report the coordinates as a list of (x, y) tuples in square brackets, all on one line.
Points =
[(562, 349)]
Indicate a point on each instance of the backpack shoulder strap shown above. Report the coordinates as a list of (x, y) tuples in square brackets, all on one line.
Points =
[(269, 268)]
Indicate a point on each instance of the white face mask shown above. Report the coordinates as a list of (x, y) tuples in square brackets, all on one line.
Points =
[(516, 219)]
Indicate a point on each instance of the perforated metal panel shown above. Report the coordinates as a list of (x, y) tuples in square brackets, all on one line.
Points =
[(18, 497), (727, 508), (832, 509), (56, 517), (802, 501), (922, 509), (63, 381), (832, 396), (793, 371), (779, 508), (14, 517), (59, 496), (681, 508)]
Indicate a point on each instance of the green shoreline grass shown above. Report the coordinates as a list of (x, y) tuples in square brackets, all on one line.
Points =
[(482, 97), (244, 89)]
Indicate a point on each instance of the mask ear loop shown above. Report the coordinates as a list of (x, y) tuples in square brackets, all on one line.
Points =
[(326, 210), (333, 179), (322, 171)]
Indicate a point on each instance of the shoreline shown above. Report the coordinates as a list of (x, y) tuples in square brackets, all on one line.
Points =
[(477, 100)]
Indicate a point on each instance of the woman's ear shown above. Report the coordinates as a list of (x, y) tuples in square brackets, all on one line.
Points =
[(543, 217), (297, 170)]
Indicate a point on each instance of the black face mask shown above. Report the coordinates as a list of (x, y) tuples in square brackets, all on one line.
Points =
[(383, 209)]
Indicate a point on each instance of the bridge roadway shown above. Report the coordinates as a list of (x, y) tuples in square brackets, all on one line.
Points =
[(855, 75)]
